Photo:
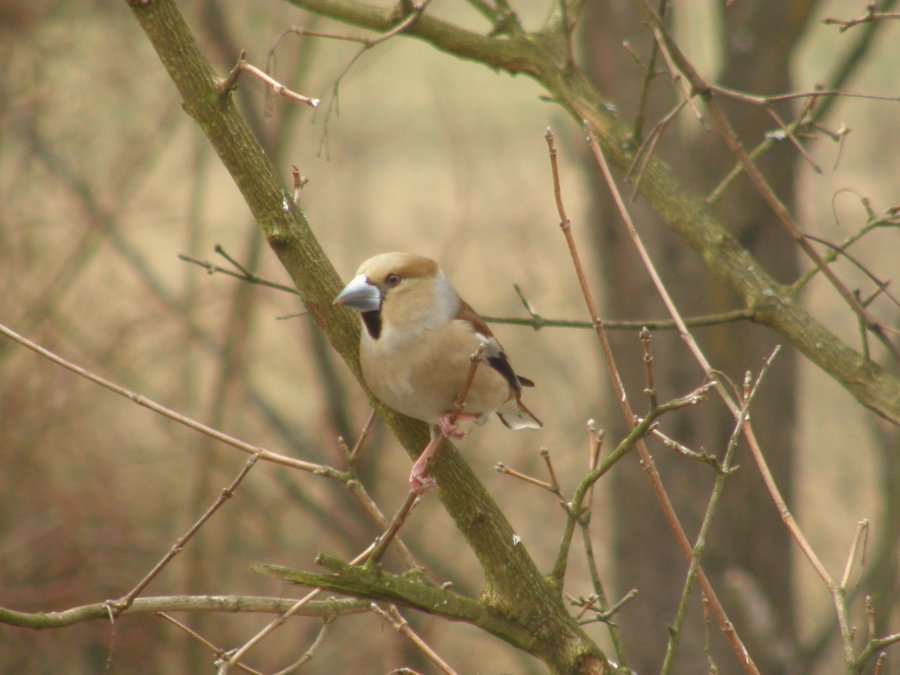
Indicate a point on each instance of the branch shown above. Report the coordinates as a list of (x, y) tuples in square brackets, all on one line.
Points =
[(753, 173), (514, 586), (400, 624), (536, 321), (180, 603), (378, 585), (263, 454), (575, 508), (871, 16), (647, 460)]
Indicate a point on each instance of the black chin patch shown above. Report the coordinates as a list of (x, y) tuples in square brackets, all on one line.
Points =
[(372, 319)]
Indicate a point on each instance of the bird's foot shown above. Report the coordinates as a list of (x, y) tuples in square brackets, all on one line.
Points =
[(451, 430), (421, 483), (420, 480)]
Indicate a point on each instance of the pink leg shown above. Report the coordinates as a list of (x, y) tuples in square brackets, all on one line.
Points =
[(419, 480)]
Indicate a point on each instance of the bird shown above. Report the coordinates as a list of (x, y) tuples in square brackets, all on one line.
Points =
[(417, 340)]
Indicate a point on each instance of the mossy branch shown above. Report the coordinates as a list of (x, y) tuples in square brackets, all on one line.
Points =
[(514, 587), (378, 585)]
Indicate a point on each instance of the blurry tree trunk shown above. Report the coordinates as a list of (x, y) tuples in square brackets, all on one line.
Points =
[(748, 553)]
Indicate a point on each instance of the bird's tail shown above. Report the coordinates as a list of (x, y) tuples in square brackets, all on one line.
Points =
[(515, 416)]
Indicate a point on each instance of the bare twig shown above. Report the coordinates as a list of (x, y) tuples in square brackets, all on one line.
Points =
[(708, 369), (265, 455), (645, 150), (176, 603), (243, 275), (601, 612), (650, 391), (554, 484), (682, 449), (278, 621), (650, 73), (123, 603), (649, 465), (367, 429), (734, 144), (393, 617), (871, 15), (862, 532), (506, 471), (230, 83), (718, 489), (217, 651), (881, 285), (535, 321), (308, 654)]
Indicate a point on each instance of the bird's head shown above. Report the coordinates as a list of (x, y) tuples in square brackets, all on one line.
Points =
[(401, 292)]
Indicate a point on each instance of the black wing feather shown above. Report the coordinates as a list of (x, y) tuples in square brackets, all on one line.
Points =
[(501, 364)]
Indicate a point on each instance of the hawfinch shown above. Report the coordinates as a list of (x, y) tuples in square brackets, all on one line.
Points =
[(417, 339)]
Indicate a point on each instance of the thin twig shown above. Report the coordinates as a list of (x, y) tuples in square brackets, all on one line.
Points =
[(535, 321), (650, 391), (602, 613), (650, 73), (645, 150), (123, 603), (753, 173), (871, 16), (682, 449), (649, 465), (229, 83), (265, 455), (718, 490), (554, 484), (862, 531), (506, 471), (308, 654), (212, 268), (708, 369), (367, 429), (278, 621), (882, 285), (393, 617), (217, 651)]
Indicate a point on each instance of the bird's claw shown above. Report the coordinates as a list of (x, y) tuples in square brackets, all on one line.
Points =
[(421, 483), (450, 430)]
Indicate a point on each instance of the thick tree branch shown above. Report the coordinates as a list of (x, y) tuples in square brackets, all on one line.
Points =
[(514, 587)]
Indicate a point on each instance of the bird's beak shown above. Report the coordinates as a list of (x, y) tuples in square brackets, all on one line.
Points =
[(360, 294)]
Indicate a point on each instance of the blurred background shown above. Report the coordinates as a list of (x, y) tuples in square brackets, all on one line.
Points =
[(104, 182)]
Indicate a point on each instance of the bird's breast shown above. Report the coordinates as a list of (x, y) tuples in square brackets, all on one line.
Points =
[(421, 376)]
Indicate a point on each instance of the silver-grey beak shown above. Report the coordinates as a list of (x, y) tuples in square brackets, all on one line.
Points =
[(360, 294)]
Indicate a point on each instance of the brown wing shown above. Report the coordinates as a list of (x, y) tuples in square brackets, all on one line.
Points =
[(493, 354)]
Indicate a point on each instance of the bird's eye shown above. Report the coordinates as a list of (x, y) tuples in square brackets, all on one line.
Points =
[(392, 279)]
